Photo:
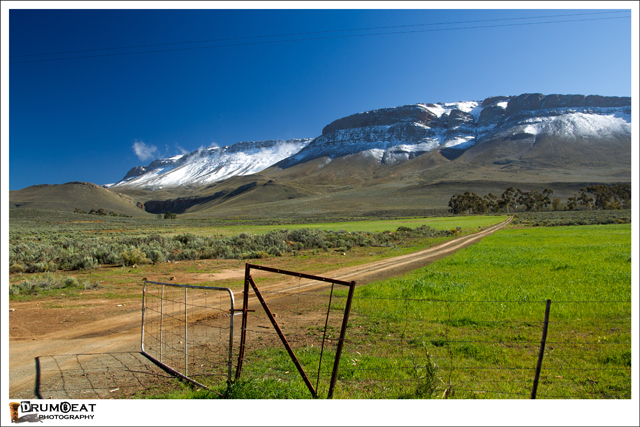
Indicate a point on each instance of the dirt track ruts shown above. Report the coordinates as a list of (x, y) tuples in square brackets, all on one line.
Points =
[(122, 332)]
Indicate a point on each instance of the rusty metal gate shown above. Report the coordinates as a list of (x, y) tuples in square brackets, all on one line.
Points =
[(187, 330), (309, 317)]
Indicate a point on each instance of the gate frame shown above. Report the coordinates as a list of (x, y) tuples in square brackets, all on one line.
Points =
[(248, 280), (167, 367)]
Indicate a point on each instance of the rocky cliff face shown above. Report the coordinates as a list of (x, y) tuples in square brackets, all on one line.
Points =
[(398, 134), (384, 117)]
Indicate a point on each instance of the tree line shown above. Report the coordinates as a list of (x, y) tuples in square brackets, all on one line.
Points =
[(599, 196), (101, 212)]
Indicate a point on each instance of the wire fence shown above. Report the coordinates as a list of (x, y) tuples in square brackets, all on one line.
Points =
[(426, 348), (394, 348), (432, 348)]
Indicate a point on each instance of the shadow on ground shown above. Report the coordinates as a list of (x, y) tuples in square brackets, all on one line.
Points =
[(95, 376)]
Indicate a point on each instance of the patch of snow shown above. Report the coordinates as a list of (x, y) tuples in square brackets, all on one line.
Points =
[(472, 107), (436, 109), (216, 164), (376, 153), (460, 142), (475, 112)]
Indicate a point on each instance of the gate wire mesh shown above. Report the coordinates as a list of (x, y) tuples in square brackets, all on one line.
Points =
[(408, 348), (189, 329), (310, 317)]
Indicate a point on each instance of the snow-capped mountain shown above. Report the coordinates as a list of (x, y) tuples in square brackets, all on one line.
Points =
[(209, 165), (394, 135), (391, 136)]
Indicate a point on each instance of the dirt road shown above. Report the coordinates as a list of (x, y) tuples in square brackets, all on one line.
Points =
[(117, 331)]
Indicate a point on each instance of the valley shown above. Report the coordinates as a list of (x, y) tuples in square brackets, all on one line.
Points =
[(367, 200)]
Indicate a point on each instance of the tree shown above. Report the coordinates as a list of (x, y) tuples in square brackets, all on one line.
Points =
[(584, 199), (491, 201), (542, 200), (170, 215), (526, 198), (556, 204), (610, 196), (508, 199), (468, 202)]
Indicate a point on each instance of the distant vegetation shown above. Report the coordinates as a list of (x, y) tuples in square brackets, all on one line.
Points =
[(101, 212), (46, 241), (564, 218), (49, 283), (614, 196), (67, 253)]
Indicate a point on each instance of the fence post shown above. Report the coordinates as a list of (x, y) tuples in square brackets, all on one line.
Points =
[(243, 328), (343, 330), (541, 353), (186, 338), (161, 318), (144, 294)]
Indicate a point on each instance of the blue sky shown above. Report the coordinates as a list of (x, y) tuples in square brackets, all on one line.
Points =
[(80, 119)]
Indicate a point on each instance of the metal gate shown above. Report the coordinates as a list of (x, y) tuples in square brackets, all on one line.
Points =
[(186, 330)]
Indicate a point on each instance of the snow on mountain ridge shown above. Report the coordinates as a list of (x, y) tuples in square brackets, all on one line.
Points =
[(212, 164), (398, 134)]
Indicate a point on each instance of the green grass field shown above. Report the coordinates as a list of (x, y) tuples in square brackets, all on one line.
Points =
[(27, 223), (470, 326), (438, 223)]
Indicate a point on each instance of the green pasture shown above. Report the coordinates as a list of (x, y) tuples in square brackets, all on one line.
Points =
[(533, 264), (478, 317), (470, 326), (374, 226), (39, 224)]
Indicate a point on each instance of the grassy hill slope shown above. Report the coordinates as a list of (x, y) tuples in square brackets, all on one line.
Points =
[(67, 197)]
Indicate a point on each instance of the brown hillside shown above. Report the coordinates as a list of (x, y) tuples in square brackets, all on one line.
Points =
[(67, 197)]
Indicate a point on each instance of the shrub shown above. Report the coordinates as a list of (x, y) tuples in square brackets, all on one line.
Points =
[(88, 285), (86, 263), (16, 268), (38, 267), (190, 254), (70, 282), (260, 254), (156, 256), (44, 282), (133, 256)]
